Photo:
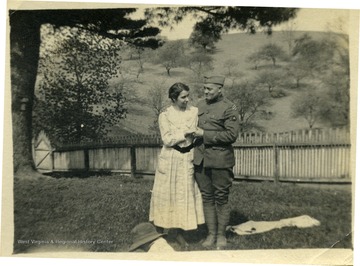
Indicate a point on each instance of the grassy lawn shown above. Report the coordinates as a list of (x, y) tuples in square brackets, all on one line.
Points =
[(64, 213)]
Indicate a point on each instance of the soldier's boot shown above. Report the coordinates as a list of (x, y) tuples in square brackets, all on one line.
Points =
[(223, 214), (211, 222)]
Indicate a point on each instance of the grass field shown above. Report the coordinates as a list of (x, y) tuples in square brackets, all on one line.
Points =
[(66, 214)]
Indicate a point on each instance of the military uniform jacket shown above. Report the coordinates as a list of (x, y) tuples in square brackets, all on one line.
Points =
[(220, 122)]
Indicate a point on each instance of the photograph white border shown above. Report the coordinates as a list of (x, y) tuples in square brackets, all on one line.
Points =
[(143, 259)]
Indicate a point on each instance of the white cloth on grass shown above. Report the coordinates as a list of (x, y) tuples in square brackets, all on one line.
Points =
[(255, 227), (160, 245)]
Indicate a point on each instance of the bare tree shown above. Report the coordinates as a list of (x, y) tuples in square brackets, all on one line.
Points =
[(310, 106), (289, 34), (231, 71), (251, 103), (298, 70), (230, 65), (199, 62), (157, 99), (254, 59), (271, 79), (171, 55), (269, 52), (272, 52), (337, 79)]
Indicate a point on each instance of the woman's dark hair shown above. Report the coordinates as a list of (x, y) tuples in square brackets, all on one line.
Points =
[(176, 89)]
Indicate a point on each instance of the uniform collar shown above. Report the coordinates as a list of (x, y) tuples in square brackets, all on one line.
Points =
[(218, 99)]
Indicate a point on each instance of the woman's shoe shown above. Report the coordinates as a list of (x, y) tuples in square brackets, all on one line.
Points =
[(181, 241)]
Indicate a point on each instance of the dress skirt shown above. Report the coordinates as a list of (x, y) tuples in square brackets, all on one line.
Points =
[(176, 200)]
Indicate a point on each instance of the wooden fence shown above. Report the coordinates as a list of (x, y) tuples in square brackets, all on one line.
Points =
[(318, 155)]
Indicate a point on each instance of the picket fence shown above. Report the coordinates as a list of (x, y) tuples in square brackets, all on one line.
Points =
[(316, 155)]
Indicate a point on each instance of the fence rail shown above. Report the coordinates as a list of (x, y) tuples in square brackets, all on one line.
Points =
[(305, 136), (303, 156)]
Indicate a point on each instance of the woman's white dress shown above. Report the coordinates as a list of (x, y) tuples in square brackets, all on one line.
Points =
[(176, 200)]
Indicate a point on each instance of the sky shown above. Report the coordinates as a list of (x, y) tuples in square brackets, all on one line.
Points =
[(308, 19)]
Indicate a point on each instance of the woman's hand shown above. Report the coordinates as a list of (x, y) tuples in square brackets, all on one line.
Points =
[(199, 133), (189, 133)]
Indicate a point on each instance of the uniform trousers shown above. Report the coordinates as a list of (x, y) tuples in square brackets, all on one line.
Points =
[(214, 184)]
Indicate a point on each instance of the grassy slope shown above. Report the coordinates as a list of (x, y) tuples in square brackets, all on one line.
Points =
[(108, 207), (235, 46)]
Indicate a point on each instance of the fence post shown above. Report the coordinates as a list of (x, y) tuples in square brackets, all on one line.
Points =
[(86, 159), (276, 163), (133, 161)]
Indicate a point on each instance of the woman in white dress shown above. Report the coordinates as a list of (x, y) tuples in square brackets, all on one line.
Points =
[(176, 200)]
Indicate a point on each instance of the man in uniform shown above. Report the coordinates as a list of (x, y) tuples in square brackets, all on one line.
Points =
[(218, 128)]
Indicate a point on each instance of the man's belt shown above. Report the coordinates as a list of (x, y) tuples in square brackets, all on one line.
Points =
[(218, 146), (183, 149)]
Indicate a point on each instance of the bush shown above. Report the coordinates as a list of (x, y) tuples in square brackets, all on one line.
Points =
[(278, 93)]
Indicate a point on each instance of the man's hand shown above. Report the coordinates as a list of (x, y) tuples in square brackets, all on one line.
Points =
[(197, 133)]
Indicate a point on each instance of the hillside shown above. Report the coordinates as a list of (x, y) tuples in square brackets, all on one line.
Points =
[(236, 46)]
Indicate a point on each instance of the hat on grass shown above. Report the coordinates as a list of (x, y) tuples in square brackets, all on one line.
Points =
[(214, 80), (142, 234)]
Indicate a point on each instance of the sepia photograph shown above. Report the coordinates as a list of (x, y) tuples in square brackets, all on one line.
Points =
[(180, 132)]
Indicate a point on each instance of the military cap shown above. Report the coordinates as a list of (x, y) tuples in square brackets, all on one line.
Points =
[(217, 80)]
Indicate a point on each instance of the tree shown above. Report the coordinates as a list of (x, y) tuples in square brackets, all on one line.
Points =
[(133, 61), (328, 60), (77, 101), (230, 65), (25, 42), (170, 55), (338, 99), (254, 59), (140, 58), (112, 23), (337, 82), (157, 99), (250, 102), (288, 35), (142, 55), (231, 71), (270, 79), (205, 34), (269, 52), (317, 55), (273, 52), (298, 70), (199, 62), (310, 106)]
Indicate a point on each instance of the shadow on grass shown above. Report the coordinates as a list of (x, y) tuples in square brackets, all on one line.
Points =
[(195, 236), (237, 218), (79, 174)]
